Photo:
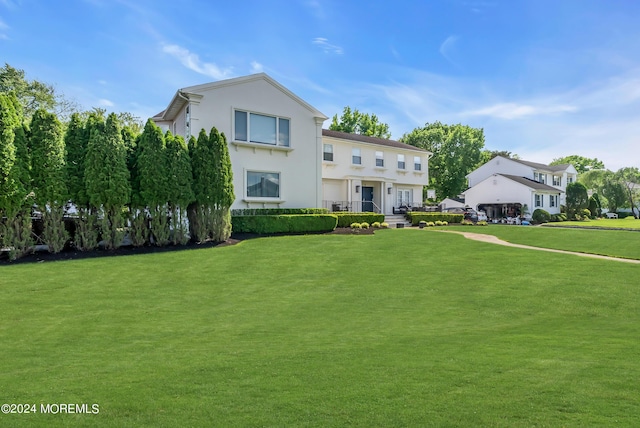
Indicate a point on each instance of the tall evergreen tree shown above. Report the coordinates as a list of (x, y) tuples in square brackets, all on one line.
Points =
[(222, 186), (180, 192), (152, 171), (107, 177), (204, 176), (48, 174)]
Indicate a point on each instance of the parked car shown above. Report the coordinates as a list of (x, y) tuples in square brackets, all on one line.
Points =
[(469, 213)]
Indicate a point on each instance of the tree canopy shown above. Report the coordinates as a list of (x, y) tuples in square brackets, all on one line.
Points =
[(457, 150), (355, 122), (487, 155), (580, 163)]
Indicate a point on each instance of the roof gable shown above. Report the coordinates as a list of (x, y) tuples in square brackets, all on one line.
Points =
[(532, 184), (182, 96)]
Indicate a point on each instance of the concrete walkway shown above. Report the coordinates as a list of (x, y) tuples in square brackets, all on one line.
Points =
[(495, 240)]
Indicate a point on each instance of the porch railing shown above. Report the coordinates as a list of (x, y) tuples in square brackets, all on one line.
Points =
[(353, 206)]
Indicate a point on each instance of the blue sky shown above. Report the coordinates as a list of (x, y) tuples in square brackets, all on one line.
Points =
[(543, 78)]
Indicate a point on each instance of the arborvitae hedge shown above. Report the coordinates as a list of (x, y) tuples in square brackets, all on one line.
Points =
[(278, 211), (295, 223)]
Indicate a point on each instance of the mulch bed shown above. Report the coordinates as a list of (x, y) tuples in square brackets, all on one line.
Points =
[(72, 254)]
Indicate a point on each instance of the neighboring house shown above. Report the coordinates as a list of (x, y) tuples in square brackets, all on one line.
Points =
[(275, 138), (451, 203), (361, 173), (502, 187)]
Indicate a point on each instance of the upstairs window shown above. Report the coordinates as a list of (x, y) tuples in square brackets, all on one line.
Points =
[(557, 179), (380, 159), (327, 152), (417, 163), (540, 177), (258, 128), (356, 159), (401, 163)]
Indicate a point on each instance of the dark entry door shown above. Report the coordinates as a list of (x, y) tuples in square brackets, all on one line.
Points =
[(367, 199)]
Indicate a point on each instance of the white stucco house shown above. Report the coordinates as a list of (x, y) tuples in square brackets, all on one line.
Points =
[(275, 137), (361, 173), (502, 187)]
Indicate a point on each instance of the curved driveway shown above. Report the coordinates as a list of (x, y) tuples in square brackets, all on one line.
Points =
[(495, 240)]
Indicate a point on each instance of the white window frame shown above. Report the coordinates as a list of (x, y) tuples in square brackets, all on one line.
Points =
[(417, 163), (404, 197), (356, 156), (380, 159), (553, 201), (326, 152), (278, 142), (187, 122), (246, 184), (539, 200), (401, 162), (559, 180)]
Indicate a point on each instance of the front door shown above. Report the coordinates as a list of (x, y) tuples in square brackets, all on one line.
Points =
[(367, 199)]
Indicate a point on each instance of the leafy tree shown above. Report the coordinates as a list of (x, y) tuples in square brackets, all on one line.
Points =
[(33, 94), (577, 198), (107, 177), (629, 178), (203, 183), (9, 122), (355, 122), (613, 191), (457, 150), (75, 142), (48, 174), (580, 163), (594, 179), (594, 205), (180, 192)]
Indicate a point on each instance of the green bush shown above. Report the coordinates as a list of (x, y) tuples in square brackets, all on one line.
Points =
[(346, 218), (355, 226), (466, 223), (289, 223), (430, 224), (482, 223), (375, 225), (586, 213), (541, 216), (445, 223), (364, 225), (438, 223), (416, 217), (384, 225), (278, 211)]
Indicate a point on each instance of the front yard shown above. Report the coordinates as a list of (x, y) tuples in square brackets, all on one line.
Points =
[(405, 327)]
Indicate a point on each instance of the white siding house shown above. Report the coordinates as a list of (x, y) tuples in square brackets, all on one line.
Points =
[(361, 173), (502, 187), (275, 138)]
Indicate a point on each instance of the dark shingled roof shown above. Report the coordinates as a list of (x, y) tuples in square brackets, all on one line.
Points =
[(531, 183), (552, 168), (370, 140)]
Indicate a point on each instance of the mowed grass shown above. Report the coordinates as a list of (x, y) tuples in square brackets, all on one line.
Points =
[(615, 243), (619, 223), (403, 328)]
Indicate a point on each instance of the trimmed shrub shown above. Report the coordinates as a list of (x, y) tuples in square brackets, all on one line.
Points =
[(445, 223), (482, 223), (278, 211), (355, 226), (416, 217), (541, 216), (586, 213), (466, 223), (295, 223), (438, 223), (384, 225), (364, 225), (345, 219), (375, 225), (430, 224)]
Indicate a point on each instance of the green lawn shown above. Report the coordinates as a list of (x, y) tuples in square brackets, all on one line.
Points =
[(621, 223), (616, 243), (403, 328)]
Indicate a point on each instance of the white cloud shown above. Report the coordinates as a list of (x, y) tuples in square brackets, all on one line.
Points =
[(326, 46), (515, 111), (192, 62), (103, 102), (256, 67), (447, 47)]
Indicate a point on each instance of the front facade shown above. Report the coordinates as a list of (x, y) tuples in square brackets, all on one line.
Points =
[(502, 187), (361, 173), (275, 138)]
